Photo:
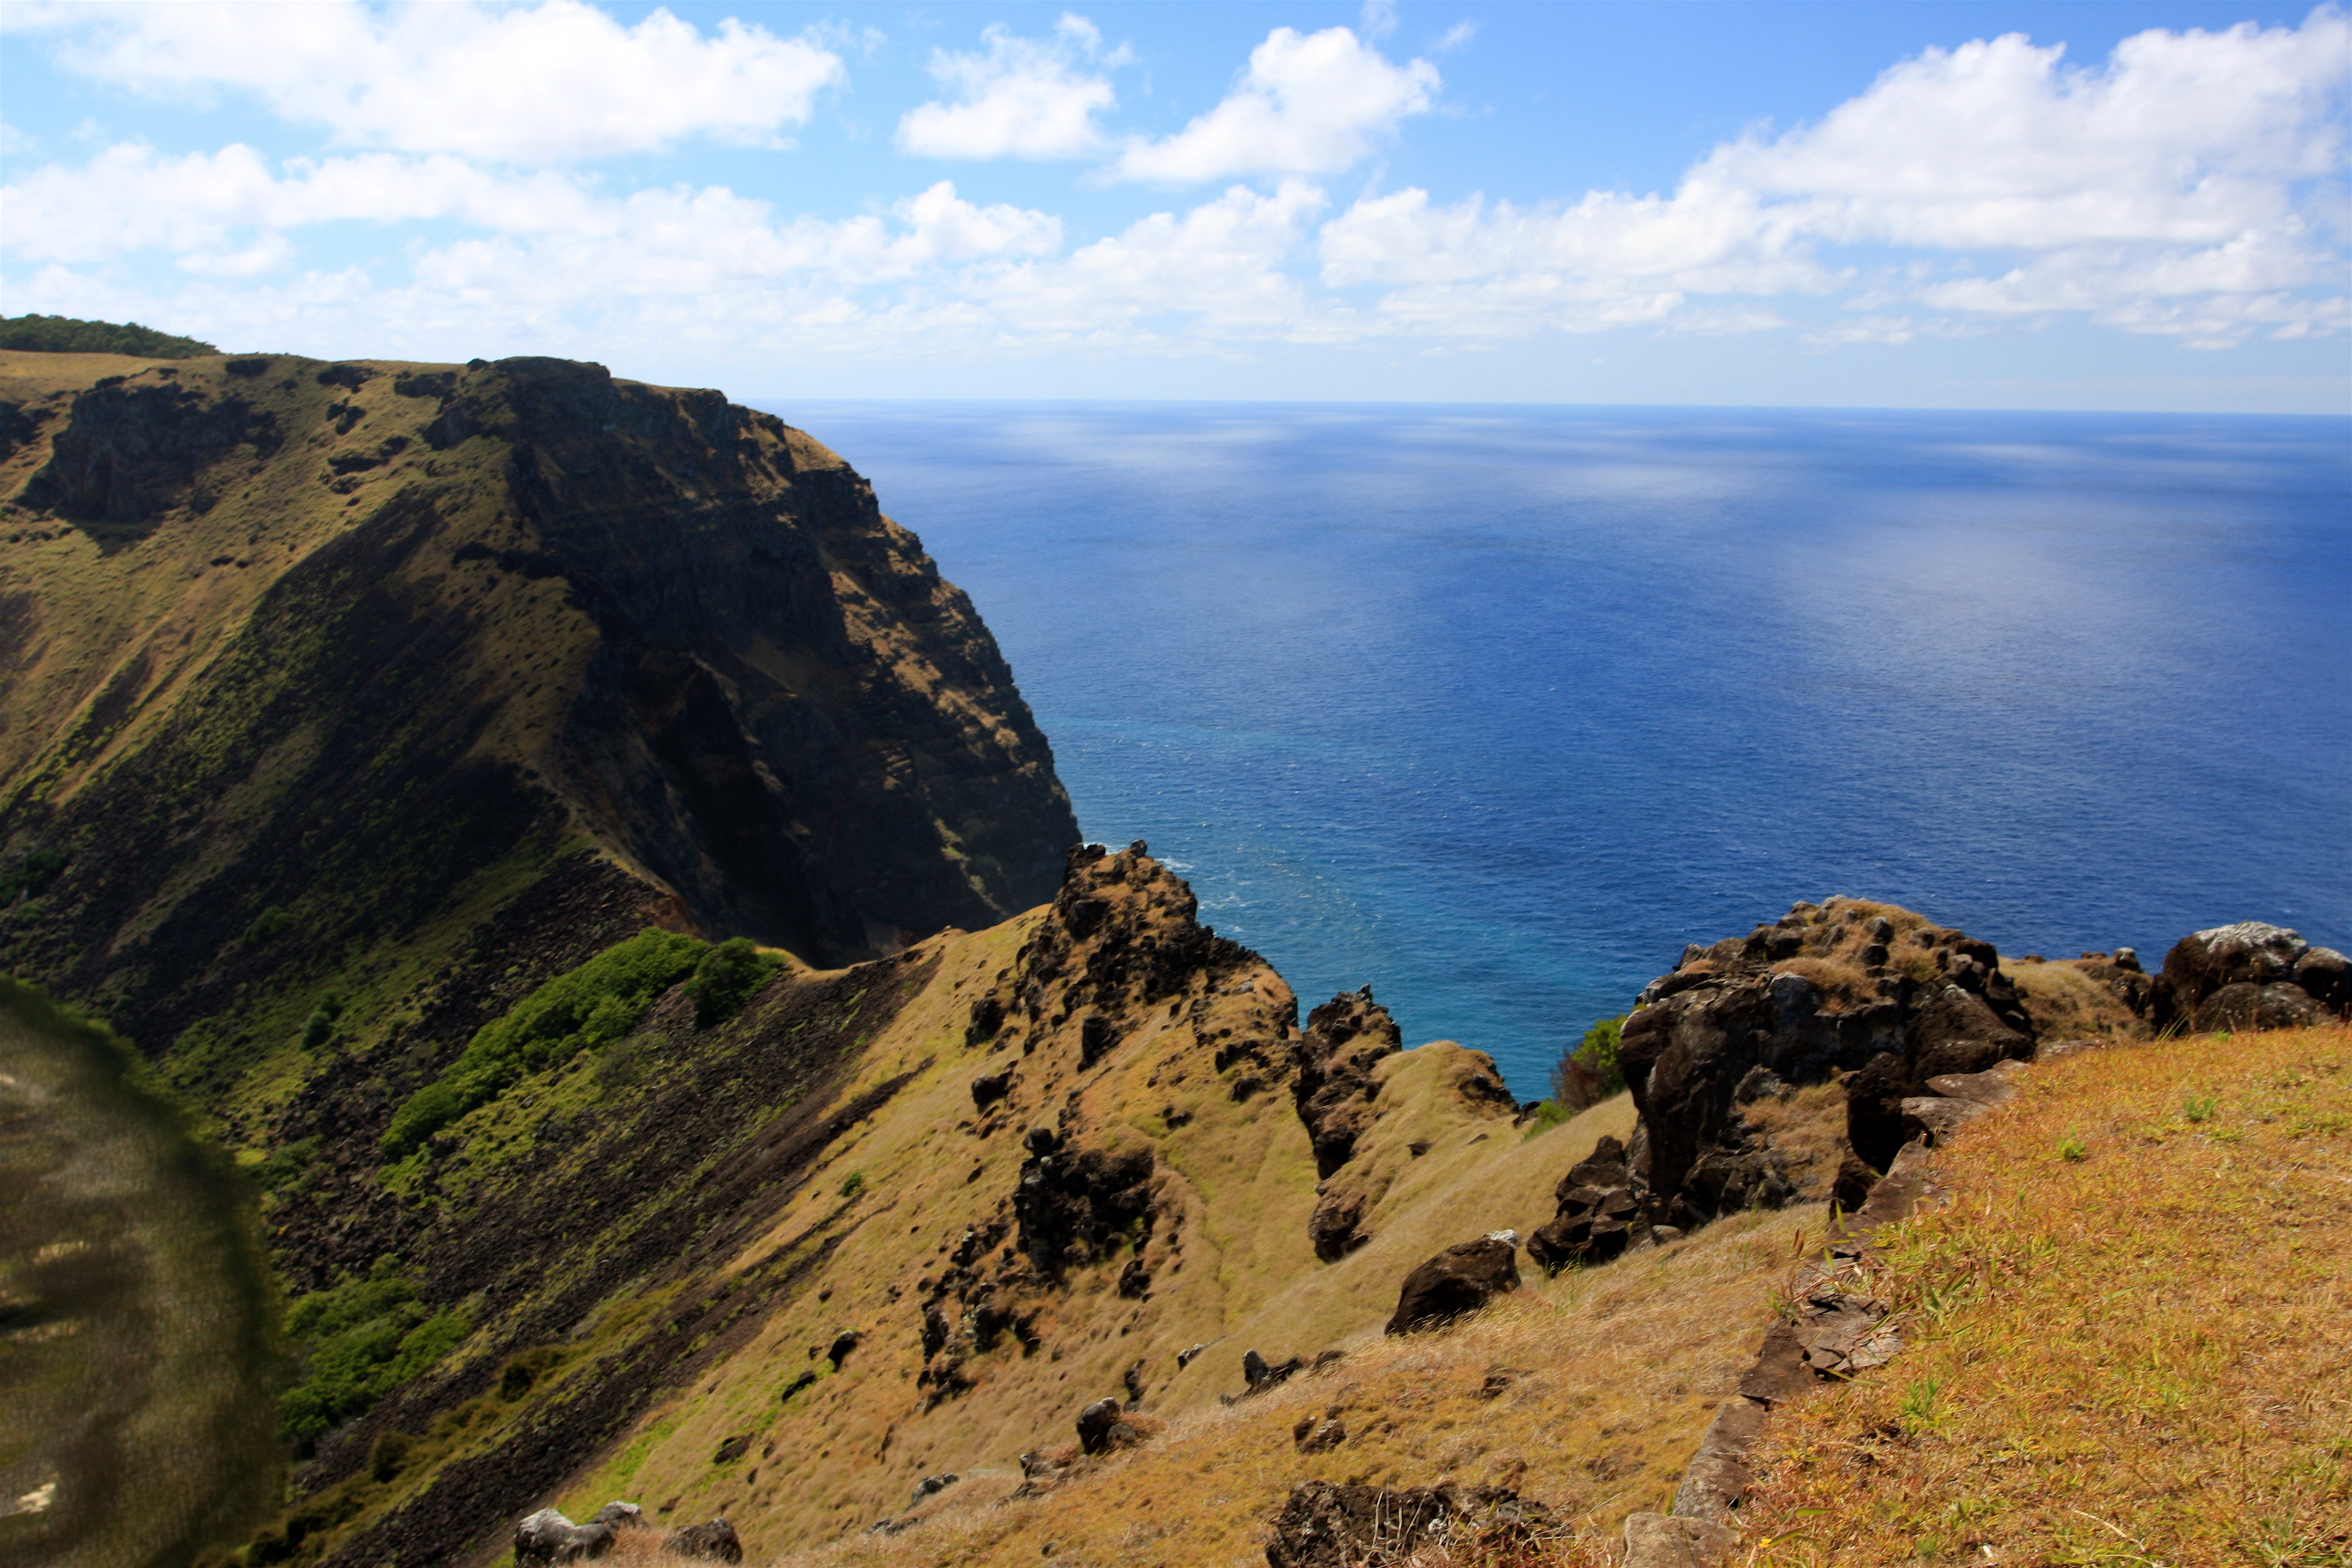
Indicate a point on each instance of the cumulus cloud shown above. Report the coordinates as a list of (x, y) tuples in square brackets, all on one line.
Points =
[(547, 83), (2176, 189), (2161, 191), (2182, 138), (1019, 98), (1308, 103), (1222, 266)]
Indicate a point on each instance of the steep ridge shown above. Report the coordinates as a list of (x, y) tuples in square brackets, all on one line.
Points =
[(341, 706), (338, 639), (1071, 1152)]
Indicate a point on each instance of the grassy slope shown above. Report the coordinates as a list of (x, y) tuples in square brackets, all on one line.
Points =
[(148, 615), (1605, 1380), (1230, 1264), (2142, 1355), (271, 692)]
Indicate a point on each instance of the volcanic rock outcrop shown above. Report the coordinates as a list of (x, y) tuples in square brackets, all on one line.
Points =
[(1862, 988), (2250, 976)]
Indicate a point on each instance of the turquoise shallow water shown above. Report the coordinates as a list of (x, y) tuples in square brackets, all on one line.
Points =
[(1497, 709)]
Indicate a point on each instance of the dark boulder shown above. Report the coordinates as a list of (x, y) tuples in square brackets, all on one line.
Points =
[(2251, 952), (1875, 1127), (1095, 1423), (715, 1542), (1604, 1167), (842, 1343), (1336, 1227), (2243, 1004), (2325, 975), (547, 1537), (1841, 986), (1854, 1180), (1593, 1226), (1104, 1426), (1071, 1204), (989, 1087), (1345, 1039), (1258, 1375), (1457, 1281)]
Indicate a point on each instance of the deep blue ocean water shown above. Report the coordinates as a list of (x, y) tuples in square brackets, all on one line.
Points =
[(1495, 709)]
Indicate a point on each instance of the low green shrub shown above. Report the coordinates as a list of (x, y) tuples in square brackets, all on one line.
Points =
[(583, 1010), (287, 1163), (727, 977), (269, 922), (1596, 1054), (69, 335), (356, 1341), (1549, 1115), (390, 1454)]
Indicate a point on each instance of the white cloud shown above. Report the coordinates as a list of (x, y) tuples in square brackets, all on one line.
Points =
[(2180, 188), (130, 197), (2182, 138), (1309, 104), (555, 81), (2162, 193), (1023, 98), (1221, 265)]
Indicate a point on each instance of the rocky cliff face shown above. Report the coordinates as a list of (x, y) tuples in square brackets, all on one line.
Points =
[(345, 641), (344, 705)]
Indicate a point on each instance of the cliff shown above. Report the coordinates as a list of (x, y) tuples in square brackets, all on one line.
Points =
[(298, 658), (344, 705)]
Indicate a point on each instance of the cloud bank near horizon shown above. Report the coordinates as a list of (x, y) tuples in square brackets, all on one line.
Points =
[(2188, 188)]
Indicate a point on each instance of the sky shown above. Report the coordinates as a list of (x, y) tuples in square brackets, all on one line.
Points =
[(2118, 205)]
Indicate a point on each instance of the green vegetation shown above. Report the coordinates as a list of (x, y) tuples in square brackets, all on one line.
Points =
[(319, 1027), (1551, 1113), (854, 1185), (266, 924), (585, 1009), (287, 1163), (390, 1454), (67, 335), (1596, 1054), (727, 977), (28, 875), (359, 1340)]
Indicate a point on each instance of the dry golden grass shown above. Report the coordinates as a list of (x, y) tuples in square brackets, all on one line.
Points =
[(1808, 1129), (2131, 1330), (2068, 1004), (1588, 1393)]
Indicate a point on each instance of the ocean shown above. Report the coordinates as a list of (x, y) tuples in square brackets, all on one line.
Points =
[(1495, 709)]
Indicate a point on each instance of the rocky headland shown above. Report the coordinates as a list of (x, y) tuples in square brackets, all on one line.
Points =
[(605, 894)]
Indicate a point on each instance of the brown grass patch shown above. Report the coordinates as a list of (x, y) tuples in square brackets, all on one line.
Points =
[(2131, 1330), (1837, 977), (2068, 1004), (1588, 1393), (1808, 1127)]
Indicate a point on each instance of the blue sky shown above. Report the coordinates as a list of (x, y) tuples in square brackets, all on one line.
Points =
[(2113, 205)]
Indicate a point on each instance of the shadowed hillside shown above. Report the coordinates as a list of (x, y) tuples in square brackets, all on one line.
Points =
[(342, 706)]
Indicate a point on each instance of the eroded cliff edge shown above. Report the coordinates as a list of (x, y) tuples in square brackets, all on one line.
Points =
[(345, 641)]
